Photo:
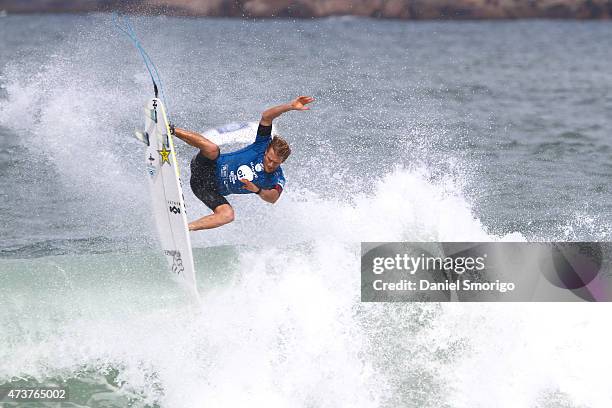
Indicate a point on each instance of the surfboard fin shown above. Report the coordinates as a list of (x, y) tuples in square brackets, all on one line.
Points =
[(151, 113), (142, 136)]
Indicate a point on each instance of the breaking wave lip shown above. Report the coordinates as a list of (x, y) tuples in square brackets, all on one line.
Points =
[(405, 206), (258, 335)]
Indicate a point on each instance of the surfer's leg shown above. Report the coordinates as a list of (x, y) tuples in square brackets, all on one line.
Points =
[(222, 214), (208, 149), (204, 187)]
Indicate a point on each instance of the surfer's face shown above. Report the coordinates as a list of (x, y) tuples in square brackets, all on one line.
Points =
[(271, 161)]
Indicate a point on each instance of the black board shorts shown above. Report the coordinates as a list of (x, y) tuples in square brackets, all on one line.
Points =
[(203, 182)]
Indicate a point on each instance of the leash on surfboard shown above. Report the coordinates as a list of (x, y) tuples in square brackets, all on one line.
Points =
[(173, 232), (125, 26)]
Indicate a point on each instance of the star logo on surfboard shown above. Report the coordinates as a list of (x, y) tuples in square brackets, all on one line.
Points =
[(165, 155)]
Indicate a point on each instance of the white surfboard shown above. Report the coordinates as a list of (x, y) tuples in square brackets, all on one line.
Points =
[(237, 132), (167, 195)]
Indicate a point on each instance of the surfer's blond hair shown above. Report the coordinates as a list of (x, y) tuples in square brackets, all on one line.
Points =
[(281, 147)]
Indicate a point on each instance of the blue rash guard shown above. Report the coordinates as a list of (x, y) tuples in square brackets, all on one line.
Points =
[(247, 163)]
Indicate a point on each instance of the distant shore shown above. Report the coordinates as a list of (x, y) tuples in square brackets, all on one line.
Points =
[(391, 9)]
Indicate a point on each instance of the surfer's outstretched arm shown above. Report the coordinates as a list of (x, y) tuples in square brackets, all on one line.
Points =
[(274, 112)]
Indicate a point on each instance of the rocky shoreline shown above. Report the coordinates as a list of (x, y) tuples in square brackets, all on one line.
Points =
[(393, 9)]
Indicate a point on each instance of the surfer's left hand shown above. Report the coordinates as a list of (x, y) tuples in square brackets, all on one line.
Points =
[(248, 185), (300, 102)]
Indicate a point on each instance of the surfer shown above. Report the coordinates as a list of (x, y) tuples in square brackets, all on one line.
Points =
[(254, 169)]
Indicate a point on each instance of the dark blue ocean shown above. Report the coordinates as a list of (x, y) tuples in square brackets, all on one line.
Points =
[(421, 131)]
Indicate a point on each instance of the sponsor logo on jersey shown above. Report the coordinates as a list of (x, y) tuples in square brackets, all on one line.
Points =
[(259, 167), (245, 172)]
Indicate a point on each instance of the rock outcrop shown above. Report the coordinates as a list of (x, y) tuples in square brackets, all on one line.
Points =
[(398, 9)]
